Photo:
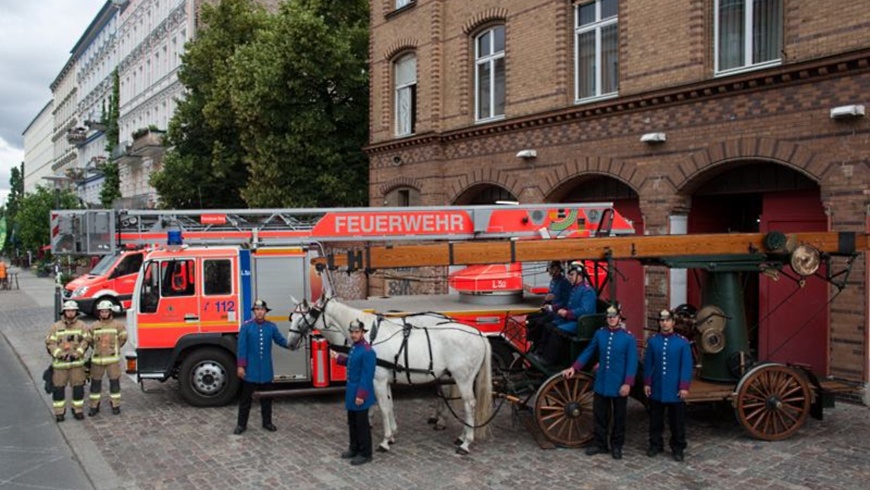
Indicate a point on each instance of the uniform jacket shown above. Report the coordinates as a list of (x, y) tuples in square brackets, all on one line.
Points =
[(617, 359), (667, 366), (67, 343), (560, 288), (254, 351), (581, 302), (360, 362), (106, 338)]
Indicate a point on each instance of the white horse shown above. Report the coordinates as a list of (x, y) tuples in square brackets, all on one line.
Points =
[(436, 346)]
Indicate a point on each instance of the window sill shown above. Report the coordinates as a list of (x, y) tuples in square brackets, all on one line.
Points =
[(745, 69), (399, 10), (589, 100), (489, 119), (402, 136)]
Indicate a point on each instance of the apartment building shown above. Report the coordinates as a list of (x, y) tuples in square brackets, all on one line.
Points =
[(151, 38), (64, 93), (38, 149), (690, 116)]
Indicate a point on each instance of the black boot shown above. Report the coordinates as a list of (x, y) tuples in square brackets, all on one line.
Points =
[(79, 415), (94, 411), (116, 410), (59, 417)]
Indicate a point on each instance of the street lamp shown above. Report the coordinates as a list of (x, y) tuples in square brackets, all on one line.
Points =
[(58, 181)]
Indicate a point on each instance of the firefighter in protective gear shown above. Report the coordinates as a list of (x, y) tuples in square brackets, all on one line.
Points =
[(106, 336), (67, 343)]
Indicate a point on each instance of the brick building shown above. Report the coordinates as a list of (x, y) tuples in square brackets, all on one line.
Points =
[(669, 109)]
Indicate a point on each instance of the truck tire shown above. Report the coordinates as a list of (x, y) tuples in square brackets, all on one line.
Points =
[(207, 377), (115, 305)]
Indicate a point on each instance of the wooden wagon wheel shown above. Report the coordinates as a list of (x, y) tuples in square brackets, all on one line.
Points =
[(772, 402), (563, 409)]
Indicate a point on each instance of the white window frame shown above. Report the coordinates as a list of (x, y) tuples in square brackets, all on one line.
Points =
[(596, 27), (748, 23), (491, 60), (398, 90)]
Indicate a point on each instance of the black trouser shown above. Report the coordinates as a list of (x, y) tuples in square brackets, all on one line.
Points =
[(676, 421), (247, 397), (535, 326), (555, 344), (607, 409), (360, 432)]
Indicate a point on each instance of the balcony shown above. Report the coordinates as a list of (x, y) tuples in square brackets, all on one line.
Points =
[(77, 136), (147, 142)]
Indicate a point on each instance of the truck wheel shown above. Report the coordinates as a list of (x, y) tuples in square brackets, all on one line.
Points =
[(208, 378), (115, 304)]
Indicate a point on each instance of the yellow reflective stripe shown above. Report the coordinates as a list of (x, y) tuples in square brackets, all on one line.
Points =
[(94, 396), (57, 351), (105, 360), (65, 364), (101, 331), (115, 396), (80, 351), (78, 403), (70, 332), (52, 337), (58, 404)]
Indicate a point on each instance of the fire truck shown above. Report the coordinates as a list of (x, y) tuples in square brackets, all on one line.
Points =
[(203, 269)]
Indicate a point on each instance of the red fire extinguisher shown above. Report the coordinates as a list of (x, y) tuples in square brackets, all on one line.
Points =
[(319, 362)]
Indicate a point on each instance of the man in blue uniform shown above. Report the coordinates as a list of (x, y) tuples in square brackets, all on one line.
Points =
[(667, 372), (581, 302), (617, 365), (359, 395), (557, 298), (254, 361)]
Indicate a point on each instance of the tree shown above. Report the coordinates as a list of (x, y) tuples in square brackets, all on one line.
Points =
[(32, 221), (111, 189), (204, 167), (299, 92), (13, 205)]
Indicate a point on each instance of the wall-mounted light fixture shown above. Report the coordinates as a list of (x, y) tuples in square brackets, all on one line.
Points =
[(652, 138), (847, 111), (527, 154)]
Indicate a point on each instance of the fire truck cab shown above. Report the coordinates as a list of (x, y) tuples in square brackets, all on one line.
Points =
[(190, 303)]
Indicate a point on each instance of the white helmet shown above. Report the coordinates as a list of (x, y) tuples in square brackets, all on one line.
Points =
[(106, 305), (70, 305)]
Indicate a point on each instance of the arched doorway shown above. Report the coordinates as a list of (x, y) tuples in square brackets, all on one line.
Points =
[(482, 194), (630, 280), (786, 323)]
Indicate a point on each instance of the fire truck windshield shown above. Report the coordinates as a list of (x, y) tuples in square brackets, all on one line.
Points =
[(104, 265)]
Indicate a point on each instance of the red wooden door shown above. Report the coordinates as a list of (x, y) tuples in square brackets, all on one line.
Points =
[(794, 321), (630, 280)]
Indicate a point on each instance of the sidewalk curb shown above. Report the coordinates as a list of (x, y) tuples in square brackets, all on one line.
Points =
[(85, 452)]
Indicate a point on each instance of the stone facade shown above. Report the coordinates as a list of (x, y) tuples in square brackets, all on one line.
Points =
[(775, 115)]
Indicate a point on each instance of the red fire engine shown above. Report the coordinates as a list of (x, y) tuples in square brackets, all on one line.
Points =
[(190, 300)]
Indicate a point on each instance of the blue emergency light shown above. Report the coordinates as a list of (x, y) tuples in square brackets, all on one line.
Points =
[(173, 236)]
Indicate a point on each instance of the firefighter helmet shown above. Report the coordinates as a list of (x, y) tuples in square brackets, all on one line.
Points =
[(356, 325), (70, 305), (106, 305)]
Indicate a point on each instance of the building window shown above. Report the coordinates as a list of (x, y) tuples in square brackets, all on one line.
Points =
[(596, 34), (489, 74), (402, 197), (403, 3), (406, 95), (748, 34)]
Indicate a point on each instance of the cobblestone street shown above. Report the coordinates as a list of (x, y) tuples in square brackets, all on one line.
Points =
[(159, 442)]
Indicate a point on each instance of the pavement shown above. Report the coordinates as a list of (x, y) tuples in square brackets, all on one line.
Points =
[(159, 442)]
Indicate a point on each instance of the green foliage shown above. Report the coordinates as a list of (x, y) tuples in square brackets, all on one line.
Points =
[(300, 94), (204, 167), (13, 207), (33, 219), (276, 110), (111, 116), (111, 189)]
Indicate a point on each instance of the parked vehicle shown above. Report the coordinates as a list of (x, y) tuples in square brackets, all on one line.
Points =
[(112, 279)]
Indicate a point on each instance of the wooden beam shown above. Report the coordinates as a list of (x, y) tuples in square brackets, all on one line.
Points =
[(630, 247)]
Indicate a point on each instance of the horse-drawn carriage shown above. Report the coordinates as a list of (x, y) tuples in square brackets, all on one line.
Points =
[(771, 400)]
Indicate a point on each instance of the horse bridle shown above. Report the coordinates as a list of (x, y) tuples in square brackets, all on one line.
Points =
[(314, 312)]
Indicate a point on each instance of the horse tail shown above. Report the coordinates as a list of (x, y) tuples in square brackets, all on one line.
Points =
[(483, 393)]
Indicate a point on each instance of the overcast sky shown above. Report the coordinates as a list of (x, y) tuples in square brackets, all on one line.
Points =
[(36, 37)]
